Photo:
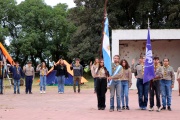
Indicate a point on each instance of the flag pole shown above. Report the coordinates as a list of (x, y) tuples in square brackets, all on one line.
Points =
[(105, 15)]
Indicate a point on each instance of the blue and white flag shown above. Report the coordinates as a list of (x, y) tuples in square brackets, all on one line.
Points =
[(106, 48), (149, 64)]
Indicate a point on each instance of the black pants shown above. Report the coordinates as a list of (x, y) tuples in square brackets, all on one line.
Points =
[(29, 82), (155, 88), (101, 87)]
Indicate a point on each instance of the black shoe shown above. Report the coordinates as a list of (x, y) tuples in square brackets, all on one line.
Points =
[(169, 108), (163, 108), (123, 108), (103, 108), (14, 92), (127, 107), (30, 93), (99, 108), (26, 92), (18, 92)]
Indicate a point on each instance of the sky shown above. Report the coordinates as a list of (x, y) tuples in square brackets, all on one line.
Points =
[(70, 3)]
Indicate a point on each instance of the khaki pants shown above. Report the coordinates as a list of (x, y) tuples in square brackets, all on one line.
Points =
[(77, 79)]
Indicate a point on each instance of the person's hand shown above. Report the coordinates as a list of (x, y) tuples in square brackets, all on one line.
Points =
[(109, 78), (133, 61), (172, 86), (130, 85), (91, 63)]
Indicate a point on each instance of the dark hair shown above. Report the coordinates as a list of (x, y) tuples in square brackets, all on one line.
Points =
[(127, 65), (166, 58), (16, 62), (77, 59), (156, 58), (106, 71)]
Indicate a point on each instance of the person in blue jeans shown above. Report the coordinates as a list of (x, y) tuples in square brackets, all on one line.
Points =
[(43, 72), (61, 74), (143, 88), (17, 75), (126, 82), (115, 86), (167, 83)]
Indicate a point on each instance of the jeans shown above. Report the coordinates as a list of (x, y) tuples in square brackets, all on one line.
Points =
[(142, 93), (61, 81), (1, 85), (17, 84), (166, 92), (95, 79), (125, 92), (101, 91), (29, 82), (42, 83), (155, 88), (115, 86)]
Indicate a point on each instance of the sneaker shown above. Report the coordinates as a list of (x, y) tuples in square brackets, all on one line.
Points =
[(59, 92), (41, 92), (99, 108), (111, 110), (127, 107), (169, 108), (159, 109), (151, 109), (119, 110), (163, 108), (123, 107), (144, 108), (44, 92), (30, 93)]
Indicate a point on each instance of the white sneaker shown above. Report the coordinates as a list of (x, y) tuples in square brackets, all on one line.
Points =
[(159, 109), (41, 92), (59, 92), (44, 92), (151, 109)]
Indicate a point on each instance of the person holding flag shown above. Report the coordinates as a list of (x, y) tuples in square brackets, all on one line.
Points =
[(115, 85), (155, 85), (167, 83), (145, 73)]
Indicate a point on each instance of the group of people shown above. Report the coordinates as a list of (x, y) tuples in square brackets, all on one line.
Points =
[(28, 73), (121, 80)]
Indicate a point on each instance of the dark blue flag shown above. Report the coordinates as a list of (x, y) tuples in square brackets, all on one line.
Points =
[(149, 64)]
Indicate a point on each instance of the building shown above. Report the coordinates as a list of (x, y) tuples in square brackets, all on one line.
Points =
[(131, 44)]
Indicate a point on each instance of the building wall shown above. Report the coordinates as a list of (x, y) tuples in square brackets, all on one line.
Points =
[(163, 49)]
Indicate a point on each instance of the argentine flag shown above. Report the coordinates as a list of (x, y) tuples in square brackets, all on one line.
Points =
[(106, 47)]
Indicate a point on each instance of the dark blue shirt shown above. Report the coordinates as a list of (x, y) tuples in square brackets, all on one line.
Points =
[(17, 72)]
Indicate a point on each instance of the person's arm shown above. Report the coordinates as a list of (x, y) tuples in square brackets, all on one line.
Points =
[(38, 67), (92, 71), (81, 70), (11, 69), (66, 73), (71, 66), (22, 73), (33, 73), (173, 77), (178, 72), (130, 77)]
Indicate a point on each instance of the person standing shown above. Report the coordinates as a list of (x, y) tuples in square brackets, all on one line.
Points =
[(115, 86), (2, 72), (126, 82), (143, 88), (101, 86), (94, 68), (178, 78), (43, 72), (30, 74), (78, 73), (167, 83), (17, 75), (155, 86), (61, 74)]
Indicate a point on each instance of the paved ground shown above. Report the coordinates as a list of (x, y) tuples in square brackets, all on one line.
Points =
[(71, 106)]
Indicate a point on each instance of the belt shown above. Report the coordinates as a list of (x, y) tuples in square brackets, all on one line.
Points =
[(101, 78)]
